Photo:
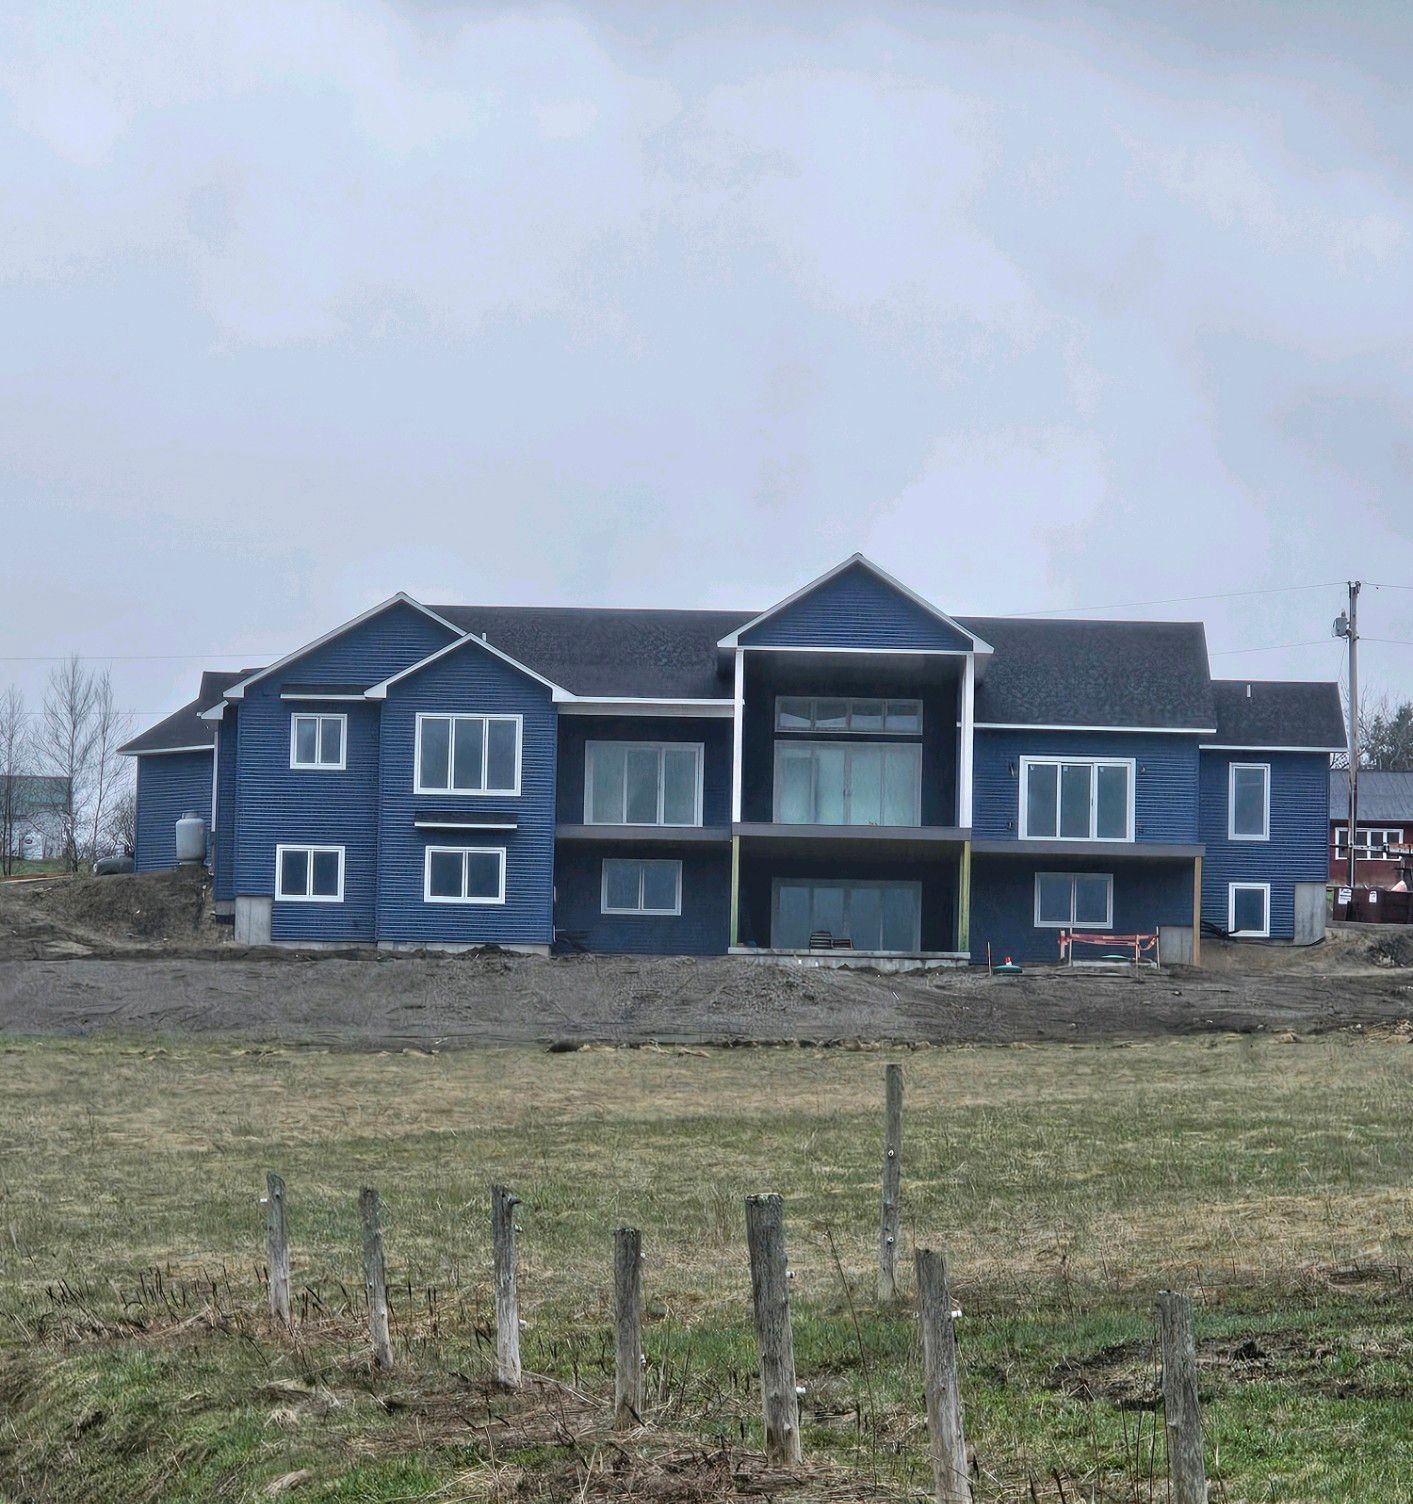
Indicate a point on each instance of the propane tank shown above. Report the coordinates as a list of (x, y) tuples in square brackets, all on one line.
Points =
[(191, 839)]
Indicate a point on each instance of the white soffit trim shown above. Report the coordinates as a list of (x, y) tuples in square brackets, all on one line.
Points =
[(213, 712), (1065, 726), (1249, 747), (732, 639), (612, 705), (379, 691), (165, 751)]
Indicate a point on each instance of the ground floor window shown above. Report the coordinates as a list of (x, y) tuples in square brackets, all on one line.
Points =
[(309, 874), (631, 886), (1249, 909), (869, 915), (464, 874), (1074, 900)]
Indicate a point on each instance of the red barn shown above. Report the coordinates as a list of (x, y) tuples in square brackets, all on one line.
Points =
[(1385, 826)]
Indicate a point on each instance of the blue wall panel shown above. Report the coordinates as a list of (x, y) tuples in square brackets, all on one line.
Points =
[(702, 929), (1298, 849), (714, 735), (856, 609), (223, 837), (169, 785), (1165, 786)]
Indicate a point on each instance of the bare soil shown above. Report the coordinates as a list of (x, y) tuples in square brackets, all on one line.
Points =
[(143, 954)]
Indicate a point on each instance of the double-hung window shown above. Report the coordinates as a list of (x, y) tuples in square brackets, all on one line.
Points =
[(1249, 801), (468, 754), (1074, 900), (848, 783), (318, 741), (1249, 909), (631, 886), (309, 874), (1076, 799), (643, 783), (464, 874)]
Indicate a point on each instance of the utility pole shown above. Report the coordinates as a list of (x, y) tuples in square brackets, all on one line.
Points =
[(1347, 626)]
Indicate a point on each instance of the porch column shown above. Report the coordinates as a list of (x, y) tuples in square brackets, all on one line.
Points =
[(1197, 911), (964, 898), (735, 890)]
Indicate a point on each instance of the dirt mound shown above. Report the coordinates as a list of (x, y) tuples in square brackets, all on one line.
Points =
[(84, 916)]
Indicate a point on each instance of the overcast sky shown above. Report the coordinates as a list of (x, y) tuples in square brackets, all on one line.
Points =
[(1039, 306)]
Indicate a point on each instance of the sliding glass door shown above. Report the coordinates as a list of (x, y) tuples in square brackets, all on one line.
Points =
[(839, 783), (870, 915)]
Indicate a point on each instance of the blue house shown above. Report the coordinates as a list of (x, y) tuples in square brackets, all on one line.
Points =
[(852, 770)]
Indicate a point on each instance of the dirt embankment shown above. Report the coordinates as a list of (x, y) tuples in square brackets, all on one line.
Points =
[(144, 955)]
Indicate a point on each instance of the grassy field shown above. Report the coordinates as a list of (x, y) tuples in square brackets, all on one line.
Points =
[(1272, 1179)]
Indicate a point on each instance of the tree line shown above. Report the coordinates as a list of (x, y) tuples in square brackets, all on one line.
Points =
[(1385, 734), (71, 740)]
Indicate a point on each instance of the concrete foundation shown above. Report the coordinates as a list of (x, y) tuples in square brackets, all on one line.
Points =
[(252, 920), (414, 947), (1310, 901), (877, 960), (1175, 944)]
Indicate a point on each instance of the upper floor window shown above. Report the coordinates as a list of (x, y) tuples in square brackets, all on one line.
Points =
[(309, 874), (468, 754), (844, 783), (1249, 801), (859, 716), (1076, 799), (318, 741), (643, 783)]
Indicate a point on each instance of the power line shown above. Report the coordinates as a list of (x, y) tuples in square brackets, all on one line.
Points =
[(128, 657), (1398, 642), (1272, 647), (1175, 600)]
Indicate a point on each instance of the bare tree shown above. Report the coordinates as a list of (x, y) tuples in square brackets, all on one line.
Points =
[(121, 826), (14, 766), (1385, 733)]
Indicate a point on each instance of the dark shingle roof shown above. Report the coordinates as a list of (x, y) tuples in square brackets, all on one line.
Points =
[(1093, 673), (1278, 713), (1382, 796), (184, 727)]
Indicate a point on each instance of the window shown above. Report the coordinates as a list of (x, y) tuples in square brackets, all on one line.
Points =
[(1074, 900), (861, 717), (641, 887), (309, 874), (1374, 840), (317, 741), (1249, 909), (464, 874), (839, 783), (1249, 801), (468, 754), (1065, 799), (871, 916), (643, 783)]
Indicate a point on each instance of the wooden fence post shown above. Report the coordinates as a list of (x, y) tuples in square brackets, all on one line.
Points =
[(1181, 1413), (890, 1222), (503, 1205), (770, 1292), (628, 1325), (375, 1277), (939, 1373), (277, 1247)]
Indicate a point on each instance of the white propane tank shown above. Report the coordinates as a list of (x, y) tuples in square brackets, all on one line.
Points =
[(191, 838)]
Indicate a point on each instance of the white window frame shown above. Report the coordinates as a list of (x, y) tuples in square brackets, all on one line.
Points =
[(463, 852), (784, 749), (1265, 769), (1261, 934), (296, 716), (309, 851), (848, 701), (661, 748), (485, 717), (1093, 764), (640, 912), (1392, 835), (1072, 923)]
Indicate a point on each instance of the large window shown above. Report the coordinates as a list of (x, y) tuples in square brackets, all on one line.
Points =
[(1249, 909), (1374, 840), (317, 741), (857, 716), (842, 783), (468, 754), (641, 887), (643, 783), (1074, 900), (1249, 801), (1076, 799), (464, 874), (309, 874), (870, 916)]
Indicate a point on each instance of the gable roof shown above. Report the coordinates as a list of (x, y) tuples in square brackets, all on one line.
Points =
[(379, 691), (1135, 675), (1276, 713), (184, 730), (1382, 796)]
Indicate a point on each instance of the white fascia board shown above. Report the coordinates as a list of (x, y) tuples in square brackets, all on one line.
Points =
[(612, 705), (296, 695), (466, 639), (237, 690), (1063, 726), (165, 751), (212, 712), (760, 647), (1250, 747), (732, 639)]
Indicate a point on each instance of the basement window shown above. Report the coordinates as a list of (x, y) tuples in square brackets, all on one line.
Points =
[(641, 887), (318, 741), (309, 874), (464, 874), (1074, 900), (1249, 910)]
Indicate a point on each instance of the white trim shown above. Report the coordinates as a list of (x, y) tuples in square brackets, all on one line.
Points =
[(354, 699), (824, 651), (1093, 764), (815, 700), (614, 705), (1232, 833), (506, 826), (1066, 726), (1243, 747), (463, 852), (787, 746), (738, 720), (296, 716), (457, 715), (661, 748), (165, 751), (732, 639), (966, 739), (212, 712), (1261, 934), (238, 689), (641, 863), (379, 691), (1072, 923), (310, 851), (215, 781)]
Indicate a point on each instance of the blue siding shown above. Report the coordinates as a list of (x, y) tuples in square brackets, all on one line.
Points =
[(1298, 849), (1165, 785), (1146, 894), (169, 786), (714, 735), (470, 681), (702, 929), (223, 837), (856, 609)]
